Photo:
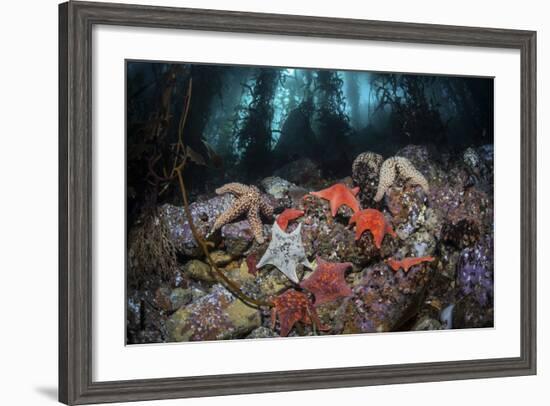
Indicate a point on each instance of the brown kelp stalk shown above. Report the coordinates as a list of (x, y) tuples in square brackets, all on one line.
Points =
[(176, 172), (233, 287)]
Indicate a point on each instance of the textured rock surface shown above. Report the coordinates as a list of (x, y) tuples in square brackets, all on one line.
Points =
[(301, 172), (453, 223), (365, 174), (427, 323), (216, 316), (204, 215), (198, 271), (475, 284), (237, 237), (262, 332), (384, 300), (277, 187)]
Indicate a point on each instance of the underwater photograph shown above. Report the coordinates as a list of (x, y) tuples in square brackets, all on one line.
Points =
[(266, 202)]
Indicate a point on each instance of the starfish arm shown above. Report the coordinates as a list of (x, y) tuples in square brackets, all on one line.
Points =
[(307, 264), (297, 232), (350, 201), (234, 188), (322, 194), (378, 239), (286, 326), (387, 177), (256, 224), (265, 259), (409, 172), (390, 230), (291, 274), (277, 233), (360, 227), (265, 208), (334, 206), (235, 211)]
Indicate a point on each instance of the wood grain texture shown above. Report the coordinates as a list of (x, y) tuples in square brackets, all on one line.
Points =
[(75, 201)]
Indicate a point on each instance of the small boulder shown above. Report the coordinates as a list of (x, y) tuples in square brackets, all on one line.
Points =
[(277, 187), (384, 300), (427, 323), (199, 271), (302, 172), (237, 237), (203, 213), (215, 316)]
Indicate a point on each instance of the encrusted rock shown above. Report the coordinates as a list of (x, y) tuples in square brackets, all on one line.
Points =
[(474, 307), (277, 187), (221, 258), (180, 297), (199, 271), (463, 233), (145, 322), (162, 298), (204, 214), (384, 300), (336, 242), (216, 316), (426, 323), (471, 159), (475, 272), (271, 281), (302, 172), (421, 158), (365, 174), (238, 272), (237, 237), (262, 332)]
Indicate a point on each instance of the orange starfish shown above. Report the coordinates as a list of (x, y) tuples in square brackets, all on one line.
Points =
[(288, 215), (293, 306), (338, 195), (328, 281), (373, 220), (406, 263)]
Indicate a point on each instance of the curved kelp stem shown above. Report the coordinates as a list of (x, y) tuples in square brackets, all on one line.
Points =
[(233, 287), (182, 153)]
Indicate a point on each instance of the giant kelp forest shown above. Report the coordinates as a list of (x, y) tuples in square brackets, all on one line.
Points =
[(215, 153)]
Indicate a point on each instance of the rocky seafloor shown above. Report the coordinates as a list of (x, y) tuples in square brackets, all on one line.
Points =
[(452, 222)]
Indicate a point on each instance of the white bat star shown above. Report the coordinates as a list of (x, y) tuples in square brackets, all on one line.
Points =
[(285, 252)]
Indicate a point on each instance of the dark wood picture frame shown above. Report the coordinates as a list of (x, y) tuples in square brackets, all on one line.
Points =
[(76, 20)]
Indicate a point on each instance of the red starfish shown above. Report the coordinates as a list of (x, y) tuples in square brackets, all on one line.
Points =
[(293, 306), (406, 263), (327, 282), (338, 195), (373, 220), (288, 215)]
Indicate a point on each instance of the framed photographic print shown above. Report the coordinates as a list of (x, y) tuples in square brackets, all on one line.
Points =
[(257, 202)]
